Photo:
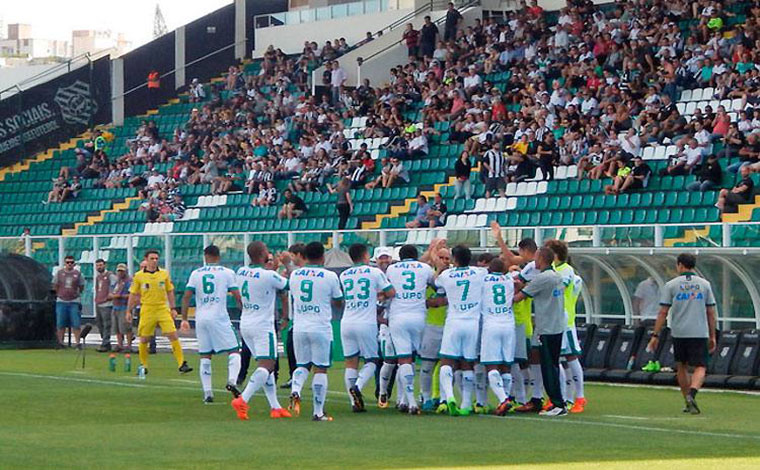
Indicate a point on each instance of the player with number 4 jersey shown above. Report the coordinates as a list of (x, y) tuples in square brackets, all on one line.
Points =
[(259, 288)]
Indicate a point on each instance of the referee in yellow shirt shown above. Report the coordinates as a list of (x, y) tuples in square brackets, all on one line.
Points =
[(153, 290)]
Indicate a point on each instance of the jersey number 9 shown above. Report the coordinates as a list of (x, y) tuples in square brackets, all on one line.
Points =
[(307, 290)]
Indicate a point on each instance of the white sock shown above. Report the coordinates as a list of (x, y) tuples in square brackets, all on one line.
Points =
[(426, 380), (518, 384), (349, 377), (458, 381), (536, 381), (446, 377), (406, 374), (576, 372), (400, 392), (299, 379), (385, 377), (468, 386), (205, 372), (506, 379), (497, 385), (366, 373), (319, 388), (233, 368), (258, 379), (481, 387), (270, 390), (562, 382)]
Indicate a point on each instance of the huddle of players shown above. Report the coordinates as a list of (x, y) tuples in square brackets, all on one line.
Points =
[(480, 331)]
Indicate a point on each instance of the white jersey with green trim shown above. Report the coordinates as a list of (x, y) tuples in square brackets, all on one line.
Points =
[(410, 278), (210, 284), (360, 287), (258, 290), (312, 290), (464, 288), (496, 300)]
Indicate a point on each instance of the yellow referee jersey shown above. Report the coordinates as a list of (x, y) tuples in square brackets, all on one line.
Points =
[(153, 288)]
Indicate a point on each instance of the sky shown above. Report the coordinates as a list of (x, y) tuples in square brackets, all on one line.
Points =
[(55, 19)]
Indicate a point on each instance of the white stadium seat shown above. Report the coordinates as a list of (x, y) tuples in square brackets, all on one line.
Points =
[(481, 221), (685, 96), (480, 205), (542, 187), (511, 189), (490, 205), (648, 153), (501, 204), (511, 203), (696, 94)]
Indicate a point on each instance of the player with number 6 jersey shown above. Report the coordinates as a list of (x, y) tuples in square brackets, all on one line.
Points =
[(210, 285)]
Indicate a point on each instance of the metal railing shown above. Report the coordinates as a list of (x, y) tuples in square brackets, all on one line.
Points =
[(611, 264), (54, 71)]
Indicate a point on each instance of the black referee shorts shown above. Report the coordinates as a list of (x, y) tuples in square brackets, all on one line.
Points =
[(691, 351)]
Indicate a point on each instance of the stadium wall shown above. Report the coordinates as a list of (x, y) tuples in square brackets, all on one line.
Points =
[(290, 38), (51, 112)]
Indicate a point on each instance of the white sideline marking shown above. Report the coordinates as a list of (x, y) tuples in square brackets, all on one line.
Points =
[(566, 420), (673, 387), (573, 420)]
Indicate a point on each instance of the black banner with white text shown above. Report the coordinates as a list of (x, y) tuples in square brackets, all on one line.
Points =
[(54, 111)]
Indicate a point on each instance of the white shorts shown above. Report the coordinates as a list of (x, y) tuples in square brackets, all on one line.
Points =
[(262, 343), (522, 344), (570, 344), (432, 336), (535, 341), (313, 348), (407, 335), (215, 336), (359, 340), (460, 340), (386, 343), (497, 345)]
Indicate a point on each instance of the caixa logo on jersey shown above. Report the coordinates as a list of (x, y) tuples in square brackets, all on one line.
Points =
[(76, 103)]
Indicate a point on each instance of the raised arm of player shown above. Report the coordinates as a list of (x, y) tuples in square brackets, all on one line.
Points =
[(506, 254)]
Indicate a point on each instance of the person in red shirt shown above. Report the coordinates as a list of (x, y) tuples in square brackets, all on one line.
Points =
[(498, 110), (412, 38), (534, 10)]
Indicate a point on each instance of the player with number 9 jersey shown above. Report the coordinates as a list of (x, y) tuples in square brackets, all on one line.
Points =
[(258, 290), (210, 285), (312, 290), (406, 317)]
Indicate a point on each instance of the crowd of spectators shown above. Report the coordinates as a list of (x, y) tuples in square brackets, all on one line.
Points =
[(590, 91)]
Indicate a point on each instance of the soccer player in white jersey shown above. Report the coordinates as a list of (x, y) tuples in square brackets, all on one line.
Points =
[(497, 343), (463, 286), (406, 319), (210, 286), (358, 327), (313, 290), (259, 287), (386, 374)]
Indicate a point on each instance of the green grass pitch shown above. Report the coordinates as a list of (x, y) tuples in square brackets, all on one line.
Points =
[(55, 416)]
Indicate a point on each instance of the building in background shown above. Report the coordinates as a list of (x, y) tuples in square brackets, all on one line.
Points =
[(21, 43), (89, 40)]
